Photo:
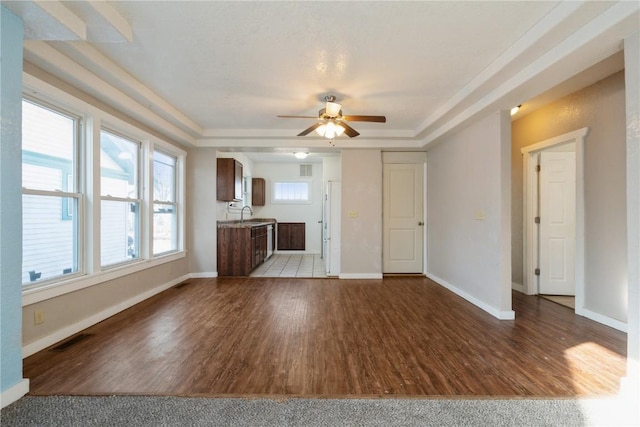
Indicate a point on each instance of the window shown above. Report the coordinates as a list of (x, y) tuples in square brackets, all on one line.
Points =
[(101, 198), (165, 219), (120, 199), (50, 202), (292, 192)]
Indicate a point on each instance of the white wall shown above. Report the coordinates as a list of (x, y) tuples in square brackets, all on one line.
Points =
[(468, 213), (361, 232), (310, 214)]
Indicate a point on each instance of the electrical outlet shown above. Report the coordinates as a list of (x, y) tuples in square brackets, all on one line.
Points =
[(480, 215), (352, 214), (38, 317)]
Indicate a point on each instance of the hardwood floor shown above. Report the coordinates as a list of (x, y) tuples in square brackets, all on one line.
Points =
[(403, 336)]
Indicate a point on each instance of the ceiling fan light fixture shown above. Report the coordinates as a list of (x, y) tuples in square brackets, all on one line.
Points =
[(300, 155), (330, 129), (332, 109), (322, 129), (515, 109)]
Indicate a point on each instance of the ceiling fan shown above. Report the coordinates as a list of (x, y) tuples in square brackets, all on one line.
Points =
[(331, 122)]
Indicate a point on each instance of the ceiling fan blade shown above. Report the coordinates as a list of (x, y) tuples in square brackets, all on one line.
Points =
[(310, 129), (379, 119), (351, 132), (298, 117)]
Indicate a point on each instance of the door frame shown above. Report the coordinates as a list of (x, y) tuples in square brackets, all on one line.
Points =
[(530, 209)]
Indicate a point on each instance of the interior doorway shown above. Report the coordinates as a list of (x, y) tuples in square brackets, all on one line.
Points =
[(554, 217), (403, 221)]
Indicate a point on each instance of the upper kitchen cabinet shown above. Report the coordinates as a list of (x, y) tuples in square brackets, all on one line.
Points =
[(257, 191), (229, 180)]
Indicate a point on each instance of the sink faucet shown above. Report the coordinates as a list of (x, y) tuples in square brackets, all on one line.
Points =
[(242, 213)]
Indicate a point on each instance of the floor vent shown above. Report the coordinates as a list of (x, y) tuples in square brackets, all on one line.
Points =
[(182, 285), (72, 341)]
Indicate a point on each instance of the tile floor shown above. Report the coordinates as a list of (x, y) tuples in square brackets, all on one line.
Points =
[(285, 265)]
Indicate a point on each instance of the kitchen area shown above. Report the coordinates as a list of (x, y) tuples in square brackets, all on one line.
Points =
[(271, 215)]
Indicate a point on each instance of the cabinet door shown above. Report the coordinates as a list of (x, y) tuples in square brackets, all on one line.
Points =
[(237, 180), (291, 236), (228, 179), (257, 192)]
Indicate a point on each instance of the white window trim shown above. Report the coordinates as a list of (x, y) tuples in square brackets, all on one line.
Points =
[(92, 121), (179, 196)]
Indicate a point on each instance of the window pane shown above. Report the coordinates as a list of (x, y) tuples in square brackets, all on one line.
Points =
[(49, 237), (164, 177), (165, 227), (118, 166), (48, 149), (119, 237), (298, 191)]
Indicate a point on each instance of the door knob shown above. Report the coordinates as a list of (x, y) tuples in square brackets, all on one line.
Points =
[(420, 223)]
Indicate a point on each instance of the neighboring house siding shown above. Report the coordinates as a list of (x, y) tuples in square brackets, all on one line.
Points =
[(48, 239), (46, 247)]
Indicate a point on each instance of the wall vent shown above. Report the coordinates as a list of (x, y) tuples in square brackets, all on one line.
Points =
[(306, 170)]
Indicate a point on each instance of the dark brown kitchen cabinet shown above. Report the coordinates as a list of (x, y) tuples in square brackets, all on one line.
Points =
[(291, 236), (229, 179), (259, 244), (257, 191), (241, 249)]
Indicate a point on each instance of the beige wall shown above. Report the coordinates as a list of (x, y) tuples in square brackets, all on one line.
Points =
[(76, 307), (468, 219), (601, 108), (361, 237), (201, 213)]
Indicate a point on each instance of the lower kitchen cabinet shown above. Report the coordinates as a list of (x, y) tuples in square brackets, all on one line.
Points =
[(241, 249), (291, 236)]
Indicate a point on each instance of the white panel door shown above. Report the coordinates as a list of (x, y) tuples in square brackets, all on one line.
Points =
[(557, 223), (403, 218)]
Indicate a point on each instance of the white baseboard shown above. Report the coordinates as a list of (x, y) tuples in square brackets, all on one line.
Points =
[(14, 393), (349, 276), (597, 317), (203, 275), (502, 315), (63, 333), (518, 287)]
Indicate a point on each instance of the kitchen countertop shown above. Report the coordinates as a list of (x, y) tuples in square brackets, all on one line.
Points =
[(248, 223)]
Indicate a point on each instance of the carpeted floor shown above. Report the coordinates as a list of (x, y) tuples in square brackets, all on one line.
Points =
[(176, 411)]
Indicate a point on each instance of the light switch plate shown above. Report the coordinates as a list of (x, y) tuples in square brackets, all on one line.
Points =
[(352, 214)]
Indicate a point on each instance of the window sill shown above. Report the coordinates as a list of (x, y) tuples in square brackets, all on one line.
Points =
[(52, 290)]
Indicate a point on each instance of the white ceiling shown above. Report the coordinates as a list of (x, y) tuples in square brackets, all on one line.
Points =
[(214, 73)]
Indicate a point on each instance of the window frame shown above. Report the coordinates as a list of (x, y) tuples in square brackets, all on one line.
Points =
[(62, 193), (174, 203), (139, 200), (92, 119)]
